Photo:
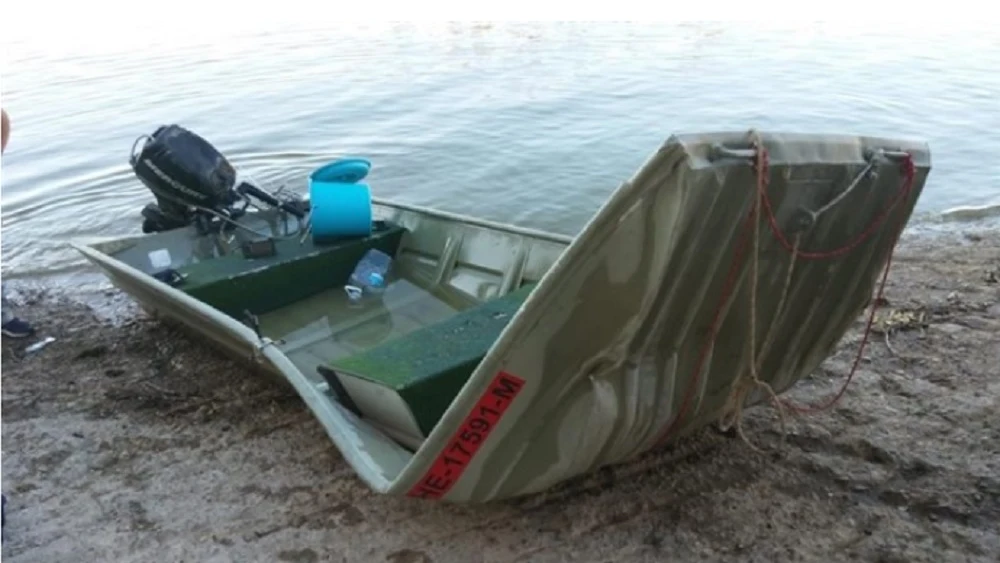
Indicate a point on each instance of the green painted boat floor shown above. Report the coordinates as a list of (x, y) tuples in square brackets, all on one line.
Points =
[(429, 366)]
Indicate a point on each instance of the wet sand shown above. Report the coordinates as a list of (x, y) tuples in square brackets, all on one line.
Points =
[(132, 442)]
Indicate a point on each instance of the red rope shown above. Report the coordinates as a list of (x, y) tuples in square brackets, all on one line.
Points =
[(904, 192), (909, 172), (761, 166)]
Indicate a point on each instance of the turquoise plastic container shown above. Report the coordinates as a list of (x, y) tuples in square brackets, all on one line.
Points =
[(341, 204)]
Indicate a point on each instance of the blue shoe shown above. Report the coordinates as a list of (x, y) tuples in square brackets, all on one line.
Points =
[(16, 328)]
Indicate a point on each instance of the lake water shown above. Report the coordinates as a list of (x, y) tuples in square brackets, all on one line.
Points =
[(531, 124)]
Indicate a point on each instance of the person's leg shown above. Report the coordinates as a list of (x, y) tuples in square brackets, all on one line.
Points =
[(12, 325)]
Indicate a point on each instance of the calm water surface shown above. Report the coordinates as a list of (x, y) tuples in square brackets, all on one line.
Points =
[(531, 124)]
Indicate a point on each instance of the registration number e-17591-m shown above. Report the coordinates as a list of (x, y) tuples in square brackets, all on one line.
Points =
[(474, 430)]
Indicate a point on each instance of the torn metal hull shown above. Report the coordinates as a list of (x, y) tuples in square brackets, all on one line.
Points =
[(639, 329)]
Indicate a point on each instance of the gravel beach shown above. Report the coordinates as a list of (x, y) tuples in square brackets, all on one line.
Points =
[(125, 440)]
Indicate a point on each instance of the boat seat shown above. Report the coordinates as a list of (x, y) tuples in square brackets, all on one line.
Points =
[(234, 283), (428, 367)]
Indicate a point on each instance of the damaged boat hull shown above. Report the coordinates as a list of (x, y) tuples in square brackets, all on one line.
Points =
[(638, 330)]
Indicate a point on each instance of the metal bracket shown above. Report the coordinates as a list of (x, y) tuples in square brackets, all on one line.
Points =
[(719, 152), (253, 322), (895, 155)]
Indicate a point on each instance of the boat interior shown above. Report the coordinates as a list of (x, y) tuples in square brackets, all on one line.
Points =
[(397, 358)]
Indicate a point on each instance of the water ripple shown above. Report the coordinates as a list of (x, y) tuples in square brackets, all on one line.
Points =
[(530, 123)]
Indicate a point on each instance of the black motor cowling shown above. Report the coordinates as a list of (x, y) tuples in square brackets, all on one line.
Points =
[(185, 173)]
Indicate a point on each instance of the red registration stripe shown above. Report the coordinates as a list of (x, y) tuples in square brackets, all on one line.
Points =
[(475, 429)]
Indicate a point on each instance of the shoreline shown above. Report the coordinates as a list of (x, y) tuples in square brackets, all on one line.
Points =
[(940, 226), (126, 440)]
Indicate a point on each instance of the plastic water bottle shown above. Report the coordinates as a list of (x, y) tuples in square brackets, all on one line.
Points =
[(370, 276)]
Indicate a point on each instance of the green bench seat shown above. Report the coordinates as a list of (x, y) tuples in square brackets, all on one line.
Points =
[(297, 271), (429, 366)]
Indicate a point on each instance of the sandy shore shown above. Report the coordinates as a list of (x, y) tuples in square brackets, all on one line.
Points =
[(129, 442)]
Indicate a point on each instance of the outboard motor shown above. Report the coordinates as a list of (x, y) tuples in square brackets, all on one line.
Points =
[(193, 183), (185, 173)]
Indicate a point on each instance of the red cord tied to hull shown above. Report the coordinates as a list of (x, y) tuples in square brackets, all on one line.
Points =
[(761, 166)]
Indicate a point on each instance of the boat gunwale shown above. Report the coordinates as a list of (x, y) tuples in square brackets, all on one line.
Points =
[(548, 236)]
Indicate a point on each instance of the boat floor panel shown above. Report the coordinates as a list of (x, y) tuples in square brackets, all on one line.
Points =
[(327, 326)]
